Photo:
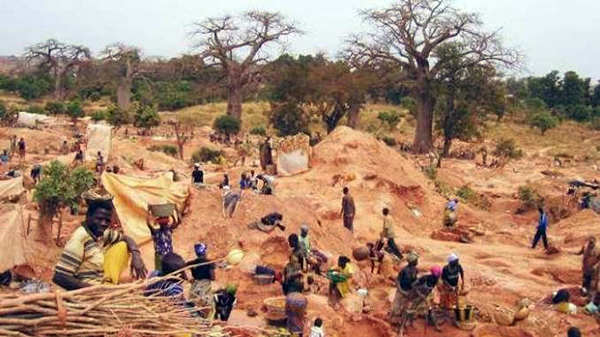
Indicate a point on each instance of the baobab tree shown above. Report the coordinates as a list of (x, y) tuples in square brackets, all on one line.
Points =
[(238, 46), (408, 34), (125, 62), (58, 59)]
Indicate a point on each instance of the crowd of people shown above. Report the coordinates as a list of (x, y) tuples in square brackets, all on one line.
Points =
[(98, 253)]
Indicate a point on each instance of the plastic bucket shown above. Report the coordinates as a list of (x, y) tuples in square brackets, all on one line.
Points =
[(162, 210)]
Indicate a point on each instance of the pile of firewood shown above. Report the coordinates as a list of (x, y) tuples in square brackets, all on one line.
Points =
[(98, 311)]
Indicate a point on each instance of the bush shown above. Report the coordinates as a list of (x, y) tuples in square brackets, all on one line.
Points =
[(206, 154), (3, 110), (543, 121), (74, 109), (391, 118), (32, 87), (259, 131), (409, 104), (442, 188), (580, 112), (99, 115), (227, 125), (36, 109), (530, 198), (56, 108), (430, 172), (389, 141), (117, 117), (470, 196), (508, 148), (288, 119), (168, 149), (145, 117), (95, 96)]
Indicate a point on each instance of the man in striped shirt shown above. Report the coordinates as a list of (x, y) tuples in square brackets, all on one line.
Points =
[(96, 254)]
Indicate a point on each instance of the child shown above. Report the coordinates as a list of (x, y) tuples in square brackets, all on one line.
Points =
[(317, 330), (163, 236)]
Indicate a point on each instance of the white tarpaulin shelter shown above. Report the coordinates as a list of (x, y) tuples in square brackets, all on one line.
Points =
[(98, 140), (31, 120), (292, 154)]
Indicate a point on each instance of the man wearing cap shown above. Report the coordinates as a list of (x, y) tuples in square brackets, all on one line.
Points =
[(449, 287), (197, 175), (404, 285)]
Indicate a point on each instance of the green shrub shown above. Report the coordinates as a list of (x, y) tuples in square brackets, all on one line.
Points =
[(409, 104), (389, 141), (467, 194), (145, 117), (99, 115), (74, 109), (430, 172), (508, 148), (530, 198), (56, 108), (36, 109), (543, 121), (391, 118), (289, 119), (442, 188), (259, 131), (117, 117), (205, 154), (3, 110), (227, 125), (168, 149), (95, 96)]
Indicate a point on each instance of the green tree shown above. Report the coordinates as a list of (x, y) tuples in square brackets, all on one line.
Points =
[(59, 188), (227, 125), (543, 121), (59, 60), (146, 117), (573, 89), (56, 108), (237, 45), (98, 115), (117, 117), (288, 118), (595, 99), (547, 88), (74, 110), (33, 86), (408, 34)]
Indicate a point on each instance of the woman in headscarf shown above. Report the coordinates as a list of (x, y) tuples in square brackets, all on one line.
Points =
[(341, 278), (204, 274), (449, 288)]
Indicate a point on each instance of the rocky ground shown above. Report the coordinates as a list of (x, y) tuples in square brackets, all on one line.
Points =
[(500, 267)]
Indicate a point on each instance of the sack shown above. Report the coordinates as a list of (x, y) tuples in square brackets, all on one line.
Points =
[(361, 253)]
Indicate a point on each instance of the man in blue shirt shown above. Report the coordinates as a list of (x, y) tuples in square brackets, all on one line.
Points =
[(541, 229)]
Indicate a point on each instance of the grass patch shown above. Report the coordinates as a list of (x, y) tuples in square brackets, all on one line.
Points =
[(168, 149), (206, 154), (469, 195)]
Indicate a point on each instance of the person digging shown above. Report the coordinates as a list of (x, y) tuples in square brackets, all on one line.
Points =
[(96, 254), (163, 235)]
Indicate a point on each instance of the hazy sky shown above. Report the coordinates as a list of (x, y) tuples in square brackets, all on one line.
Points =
[(553, 34)]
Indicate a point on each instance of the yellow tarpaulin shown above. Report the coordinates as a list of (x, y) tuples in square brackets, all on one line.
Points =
[(132, 195), (12, 237)]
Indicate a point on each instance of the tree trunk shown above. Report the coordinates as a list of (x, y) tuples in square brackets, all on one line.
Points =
[(57, 87), (124, 94), (353, 115), (43, 231), (234, 100), (447, 145), (423, 142)]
